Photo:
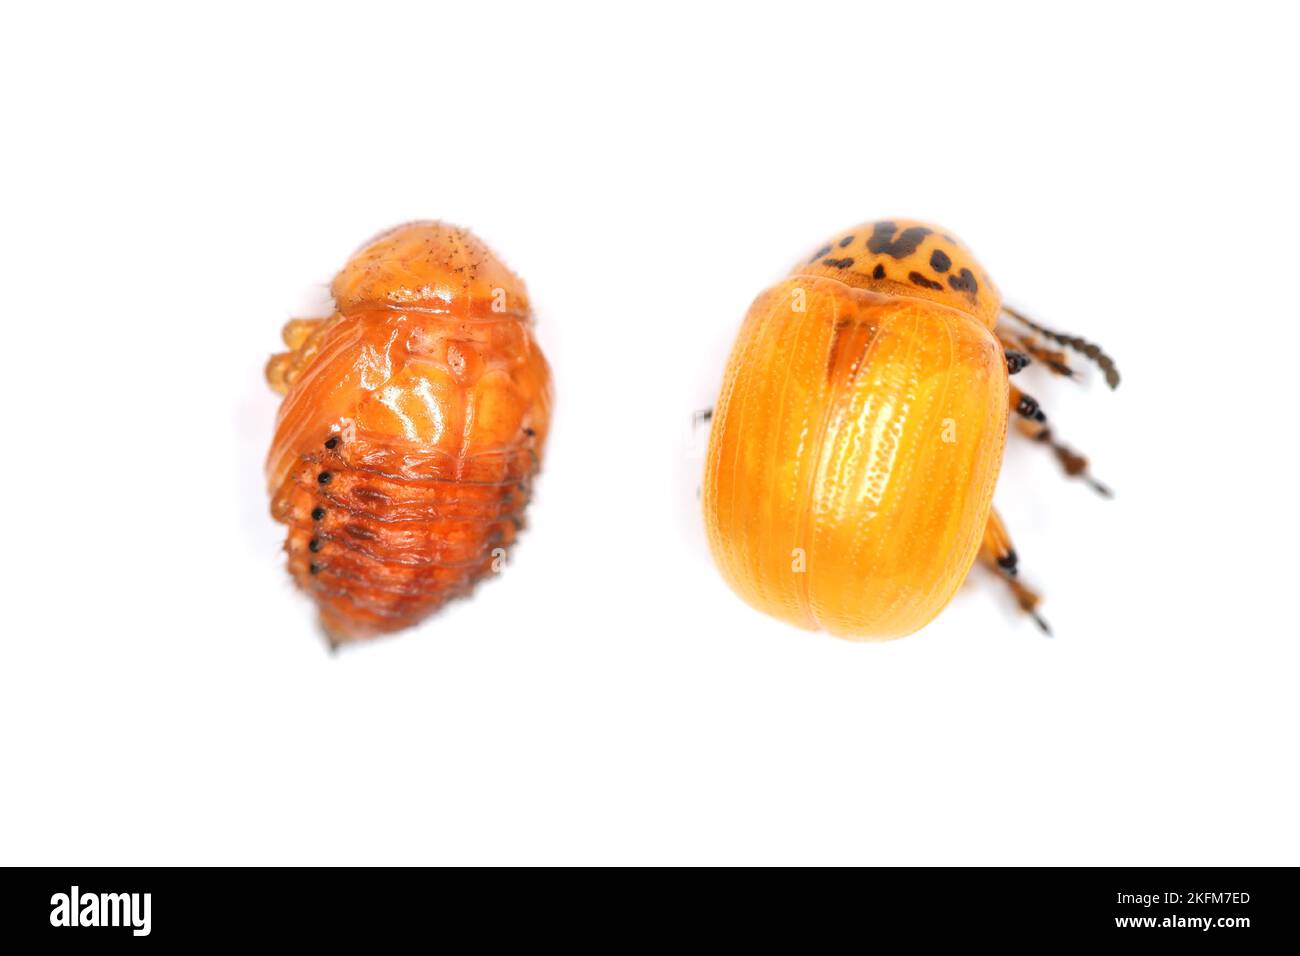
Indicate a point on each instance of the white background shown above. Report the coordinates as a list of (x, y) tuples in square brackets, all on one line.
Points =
[(177, 184)]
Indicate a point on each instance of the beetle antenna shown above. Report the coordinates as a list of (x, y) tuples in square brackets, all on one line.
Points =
[(1080, 345)]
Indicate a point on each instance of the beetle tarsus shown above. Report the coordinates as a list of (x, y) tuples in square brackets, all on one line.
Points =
[(1042, 624), (1029, 601), (1098, 487)]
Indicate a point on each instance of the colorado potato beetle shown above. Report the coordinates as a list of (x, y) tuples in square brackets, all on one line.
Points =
[(860, 429), (413, 423)]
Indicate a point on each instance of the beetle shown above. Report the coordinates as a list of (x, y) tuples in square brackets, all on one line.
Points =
[(413, 422), (860, 428)]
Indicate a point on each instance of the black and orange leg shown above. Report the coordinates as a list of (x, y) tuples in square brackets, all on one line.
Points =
[(997, 553), (1029, 348), (1032, 423), (1016, 355), (1074, 342)]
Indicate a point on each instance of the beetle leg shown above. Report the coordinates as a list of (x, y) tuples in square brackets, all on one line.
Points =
[(278, 368), (1055, 360), (1032, 423), (996, 552), (297, 331), (1016, 361), (1080, 345), (281, 369)]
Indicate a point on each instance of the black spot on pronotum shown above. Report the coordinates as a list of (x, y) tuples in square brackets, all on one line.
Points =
[(324, 477), (878, 272), (313, 568), (313, 545), (939, 261), (917, 279), (837, 263), (965, 282), (882, 239), (882, 233), (529, 432), (824, 251), (317, 513), (845, 241), (332, 442)]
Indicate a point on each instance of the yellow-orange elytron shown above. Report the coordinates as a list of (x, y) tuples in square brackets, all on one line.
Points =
[(860, 429), (414, 419)]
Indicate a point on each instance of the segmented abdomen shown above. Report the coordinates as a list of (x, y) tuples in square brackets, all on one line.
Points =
[(403, 460), (379, 552)]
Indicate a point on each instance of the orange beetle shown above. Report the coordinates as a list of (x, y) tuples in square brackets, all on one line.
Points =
[(413, 422), (860, 430)]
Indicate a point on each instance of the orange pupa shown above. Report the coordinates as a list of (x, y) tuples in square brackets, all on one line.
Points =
[(860, 429), (413, 423)]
